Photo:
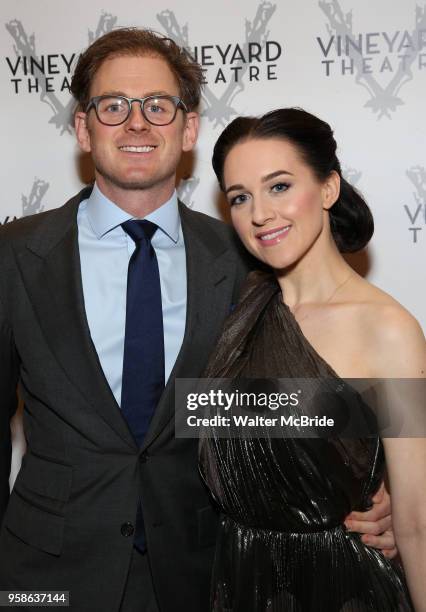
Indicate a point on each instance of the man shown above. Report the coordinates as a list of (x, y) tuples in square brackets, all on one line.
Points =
[(99, 313)]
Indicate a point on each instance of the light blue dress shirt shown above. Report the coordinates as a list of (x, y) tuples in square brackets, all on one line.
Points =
[(105, 251)]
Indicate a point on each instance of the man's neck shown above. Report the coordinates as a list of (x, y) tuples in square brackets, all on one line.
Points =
[(137, 202)]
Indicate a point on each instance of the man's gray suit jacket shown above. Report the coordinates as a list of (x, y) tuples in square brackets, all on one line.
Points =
[(67, 523)]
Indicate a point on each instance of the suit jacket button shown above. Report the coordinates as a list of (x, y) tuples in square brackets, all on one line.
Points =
[(143, 457), (127, 530)]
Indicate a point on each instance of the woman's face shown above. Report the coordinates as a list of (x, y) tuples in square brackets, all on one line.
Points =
[(278, 206)]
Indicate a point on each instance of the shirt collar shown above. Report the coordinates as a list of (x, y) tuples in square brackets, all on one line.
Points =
[(105, 216)]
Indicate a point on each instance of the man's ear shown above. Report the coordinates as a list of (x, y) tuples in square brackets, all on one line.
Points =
[(331, 190), (82, 131), (190, 133)]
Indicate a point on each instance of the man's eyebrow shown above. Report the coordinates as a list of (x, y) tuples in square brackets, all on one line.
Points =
[(116, 92), (264, 179)]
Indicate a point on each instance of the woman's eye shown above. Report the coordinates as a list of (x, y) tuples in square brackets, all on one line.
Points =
[(280, 187), (239, 199)]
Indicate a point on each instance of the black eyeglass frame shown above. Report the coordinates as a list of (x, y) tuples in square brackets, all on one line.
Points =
[(178, 102)]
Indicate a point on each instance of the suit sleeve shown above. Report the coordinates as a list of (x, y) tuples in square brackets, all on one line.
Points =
[(9, 372)]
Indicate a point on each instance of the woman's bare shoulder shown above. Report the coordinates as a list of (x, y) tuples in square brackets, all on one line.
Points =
[(394, 336)]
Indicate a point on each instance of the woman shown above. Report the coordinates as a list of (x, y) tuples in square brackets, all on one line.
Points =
[(282, 545)]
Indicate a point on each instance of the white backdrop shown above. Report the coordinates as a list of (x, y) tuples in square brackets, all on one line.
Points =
[(358, 64)]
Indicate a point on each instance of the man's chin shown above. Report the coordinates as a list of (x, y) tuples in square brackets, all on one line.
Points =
[(131, 184), (137, 183)]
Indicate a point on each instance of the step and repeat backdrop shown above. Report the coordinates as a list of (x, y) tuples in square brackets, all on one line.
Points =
[(358, 64)]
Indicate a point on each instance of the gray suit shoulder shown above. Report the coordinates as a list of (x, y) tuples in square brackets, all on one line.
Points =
[(218, 232), (206, 223), (25, 227), (200, 216)]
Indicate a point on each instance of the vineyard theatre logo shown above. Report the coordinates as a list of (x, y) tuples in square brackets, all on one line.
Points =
[(106, 24), (351, 175), (231, 64), (186, 190), (381, 62), (417, 212), (32, 203), (47, 75), (8, 219)]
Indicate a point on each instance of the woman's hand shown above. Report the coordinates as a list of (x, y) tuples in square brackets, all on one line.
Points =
[(375, 524)]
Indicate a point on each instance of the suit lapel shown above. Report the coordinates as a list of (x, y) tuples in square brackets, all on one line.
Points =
[(210, 273), (50, 267)]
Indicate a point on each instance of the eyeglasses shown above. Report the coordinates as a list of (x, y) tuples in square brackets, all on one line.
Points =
[(157, 110)]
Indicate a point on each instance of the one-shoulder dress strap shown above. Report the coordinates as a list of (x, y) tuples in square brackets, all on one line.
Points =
[(257, 292), (262, 338)]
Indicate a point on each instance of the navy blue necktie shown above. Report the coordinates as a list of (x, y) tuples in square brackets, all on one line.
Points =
[(143, 361)]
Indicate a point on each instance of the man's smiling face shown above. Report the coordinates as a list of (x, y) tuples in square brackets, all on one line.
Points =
[(151, 166)]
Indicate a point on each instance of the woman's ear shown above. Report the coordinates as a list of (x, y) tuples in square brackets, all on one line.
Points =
[(331, 190)]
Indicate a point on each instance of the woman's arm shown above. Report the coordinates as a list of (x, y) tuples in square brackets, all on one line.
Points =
[(406, 460), (402, 355)]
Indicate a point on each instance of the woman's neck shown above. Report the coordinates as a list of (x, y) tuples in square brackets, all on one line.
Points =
[(314, 278)]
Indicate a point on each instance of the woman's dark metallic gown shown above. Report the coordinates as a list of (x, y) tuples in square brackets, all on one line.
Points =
[(282, 545)]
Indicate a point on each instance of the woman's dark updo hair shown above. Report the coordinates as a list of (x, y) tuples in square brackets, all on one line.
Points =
[(351, 221)]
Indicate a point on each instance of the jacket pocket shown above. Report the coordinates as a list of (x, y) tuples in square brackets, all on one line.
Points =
[(36, 509), (45, 477), (34, 526)]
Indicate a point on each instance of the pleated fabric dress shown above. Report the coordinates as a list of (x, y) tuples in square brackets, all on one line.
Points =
[(282, 545)]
